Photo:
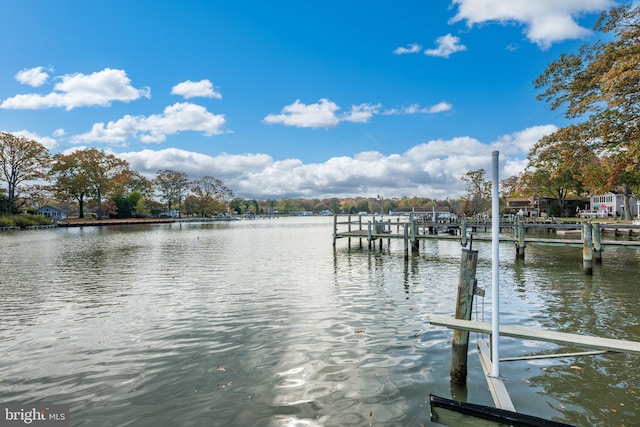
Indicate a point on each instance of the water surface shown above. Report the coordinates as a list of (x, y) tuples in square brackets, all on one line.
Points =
[(263, 323)]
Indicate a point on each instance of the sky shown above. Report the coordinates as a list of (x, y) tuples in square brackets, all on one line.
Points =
[(311, 99)]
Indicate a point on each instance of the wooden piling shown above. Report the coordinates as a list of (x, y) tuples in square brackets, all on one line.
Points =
[(415, 243), (406, 242), (587, 248), (520, 242), (463, 232), (597, 243), (460, 342)]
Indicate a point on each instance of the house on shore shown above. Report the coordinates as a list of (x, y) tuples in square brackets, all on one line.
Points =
[(608, 204), (51, 212)]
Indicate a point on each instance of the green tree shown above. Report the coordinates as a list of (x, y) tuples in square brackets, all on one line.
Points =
[(334, 206), (128, 194), (88, 173), (172, 186), (288, 206), (598, 89), (238, 205), (478, 191), (71, 179), (21, 160)]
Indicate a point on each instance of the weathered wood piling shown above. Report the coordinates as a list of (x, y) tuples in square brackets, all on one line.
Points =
[(466, 290), (587, 248)]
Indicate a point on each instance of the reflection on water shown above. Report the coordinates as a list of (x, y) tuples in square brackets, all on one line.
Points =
[(264, 323)]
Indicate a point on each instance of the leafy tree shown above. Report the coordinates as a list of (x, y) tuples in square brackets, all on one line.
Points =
[(71, 179), (478, 191), (238, 205), (104, 172), (172, 185), (21, 160), (128, 194), (288, 206), (362, 205), (87, 173), (334, 205), (212, 195), (598, 88), (514, 186)]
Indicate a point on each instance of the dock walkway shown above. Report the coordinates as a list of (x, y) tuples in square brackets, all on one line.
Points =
[(371, 228)]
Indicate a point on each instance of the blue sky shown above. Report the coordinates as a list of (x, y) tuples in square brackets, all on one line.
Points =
[(291, 98)]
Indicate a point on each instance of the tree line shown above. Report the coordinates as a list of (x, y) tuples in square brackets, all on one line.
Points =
[(31, 175), (597, 88)]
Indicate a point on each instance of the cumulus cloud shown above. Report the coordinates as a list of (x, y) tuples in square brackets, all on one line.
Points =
[(81, 90), (446, 45), (324, 113), (33, 76), (224, 166), (189, 89), (361, 113), (431, 169), (179, 117), (412, 48), (545, 21), (320, 114)]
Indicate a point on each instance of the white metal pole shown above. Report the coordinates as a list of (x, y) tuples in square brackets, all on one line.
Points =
[(495, 267)]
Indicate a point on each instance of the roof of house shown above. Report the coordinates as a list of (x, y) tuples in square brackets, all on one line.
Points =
[(48, 208)]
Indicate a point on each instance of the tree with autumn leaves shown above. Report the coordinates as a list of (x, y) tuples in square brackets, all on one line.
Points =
[(22, 162), (598, 90), (93, 175)]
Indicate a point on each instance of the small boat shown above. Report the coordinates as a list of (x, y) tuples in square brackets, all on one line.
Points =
[(459, 414)]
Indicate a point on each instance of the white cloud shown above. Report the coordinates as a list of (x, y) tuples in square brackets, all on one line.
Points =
[(440, 107), (196, 165), (417, 109), (361, 113), (545, 21), (179, 117), (446, 45), (320, 114), (412, 48), (47, 141), (81, 90), (324, 113), (430, 169), (189, 89), (33, 76)]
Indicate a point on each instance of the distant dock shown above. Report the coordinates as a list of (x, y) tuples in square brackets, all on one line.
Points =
[(410, 229)]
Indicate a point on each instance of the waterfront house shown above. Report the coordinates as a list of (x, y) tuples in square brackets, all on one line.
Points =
[(610, 203), (523, 206), (51, 212)]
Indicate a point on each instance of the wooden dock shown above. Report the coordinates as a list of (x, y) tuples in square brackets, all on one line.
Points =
[(378, 228)]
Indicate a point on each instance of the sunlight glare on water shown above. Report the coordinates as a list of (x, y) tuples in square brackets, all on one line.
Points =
[(264, 323)]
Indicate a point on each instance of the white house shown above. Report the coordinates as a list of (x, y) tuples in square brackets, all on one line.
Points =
[(51, 212), (609, 204)]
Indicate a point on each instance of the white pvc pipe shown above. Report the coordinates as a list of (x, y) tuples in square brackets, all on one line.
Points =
[(495, 267)]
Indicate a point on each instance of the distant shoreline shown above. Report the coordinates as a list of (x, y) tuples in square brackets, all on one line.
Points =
[(82, 222)]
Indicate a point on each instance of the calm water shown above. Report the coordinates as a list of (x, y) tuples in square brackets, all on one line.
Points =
[(262, 323)]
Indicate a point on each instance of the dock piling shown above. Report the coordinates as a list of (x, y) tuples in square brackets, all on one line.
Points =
[(597, 243), (460, 342), (520, 241), (587, 248)]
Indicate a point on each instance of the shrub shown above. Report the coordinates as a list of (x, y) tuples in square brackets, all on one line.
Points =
[(23, 220)]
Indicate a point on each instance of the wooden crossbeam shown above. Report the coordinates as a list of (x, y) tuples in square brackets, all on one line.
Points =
[(608, 344)]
